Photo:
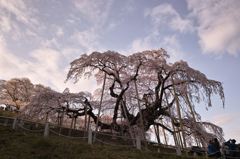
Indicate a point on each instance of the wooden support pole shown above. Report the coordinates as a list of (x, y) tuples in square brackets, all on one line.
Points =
[(75, 122), (156, 129), (128, 124), (88, 124), (193, 116), (139, 106), (100, 106), (71, 126), (177, 144), (164, 134), (179, 137), (141, 115), (190, 107), (180, 117), (85, 119)]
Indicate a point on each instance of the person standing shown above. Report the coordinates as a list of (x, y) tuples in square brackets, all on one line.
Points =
[(213, 149)]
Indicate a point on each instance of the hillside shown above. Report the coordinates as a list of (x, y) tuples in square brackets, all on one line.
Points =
[(19, 145)]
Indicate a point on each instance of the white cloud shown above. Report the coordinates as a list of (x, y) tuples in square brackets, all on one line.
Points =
[(9, 64), (50, 43), (46, 58), (96, 14), (223, 119), (169, 43), (218, 25), (87, 39), (94, 11), (141, 44), (128, 7), (20, 10), (59, 31), (45, 64), (18, 18), (173, 47), (70, 53), (165, 15), (44, 68), (5, 24)]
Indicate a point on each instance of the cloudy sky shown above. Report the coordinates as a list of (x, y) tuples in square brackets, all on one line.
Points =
[(39, 38)]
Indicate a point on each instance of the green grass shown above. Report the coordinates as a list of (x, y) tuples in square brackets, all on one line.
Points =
[(19, 145)]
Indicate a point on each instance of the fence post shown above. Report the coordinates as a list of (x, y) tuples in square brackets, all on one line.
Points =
[(138, 142), (178, 150), (90, 136), (194, 154), (46, 130), (14, 124)]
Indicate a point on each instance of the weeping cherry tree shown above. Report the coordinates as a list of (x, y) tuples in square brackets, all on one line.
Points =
[(143, 88)]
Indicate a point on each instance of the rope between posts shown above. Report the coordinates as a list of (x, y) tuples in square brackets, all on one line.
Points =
[(198, 151), (41, 130), (71, 137), (202, 151), (103, 142), (6, 117), (106, 143), (115, 136), (31, 122)]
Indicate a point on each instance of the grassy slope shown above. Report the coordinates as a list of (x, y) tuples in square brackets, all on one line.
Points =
[(18, 145)]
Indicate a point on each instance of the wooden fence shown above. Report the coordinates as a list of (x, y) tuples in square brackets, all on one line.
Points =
[(49, 129)]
